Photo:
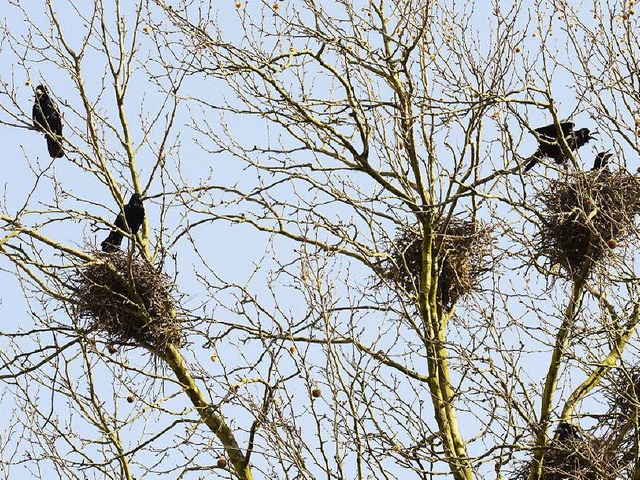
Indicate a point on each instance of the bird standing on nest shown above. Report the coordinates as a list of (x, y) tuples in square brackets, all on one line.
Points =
[(134, 215), (47, 119), (549, 145)]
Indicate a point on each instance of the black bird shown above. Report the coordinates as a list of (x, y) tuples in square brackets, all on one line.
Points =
[(47, 119), (601, 161), (567, 432), (549, 147), (134, 214)]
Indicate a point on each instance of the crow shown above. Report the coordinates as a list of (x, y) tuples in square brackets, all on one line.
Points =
[(601, 161), (47, 119), (567, 432), (549, 147), (134, 215)]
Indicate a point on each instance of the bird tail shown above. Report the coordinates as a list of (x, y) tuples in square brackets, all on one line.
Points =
[(112, 242), (54, 145), (532, 160)]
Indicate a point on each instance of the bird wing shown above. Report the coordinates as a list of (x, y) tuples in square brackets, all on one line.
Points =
[(550, 131), (134, 213), (37, 116), (53, 117)]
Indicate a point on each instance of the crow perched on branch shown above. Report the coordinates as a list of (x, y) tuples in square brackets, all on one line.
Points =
[(601, 161), (47, 119), (134, 214), (550, 147)]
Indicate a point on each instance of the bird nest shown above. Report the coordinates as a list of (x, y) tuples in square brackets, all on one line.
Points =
[(621, 421), (624, 393), (462, 259), (586, 215), (607, 454), (578, 457), (127, 300)]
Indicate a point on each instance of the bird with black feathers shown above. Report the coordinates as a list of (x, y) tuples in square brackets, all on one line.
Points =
[(567, 432), (549, 146), (134, 216), (601, 161), (47, 119)]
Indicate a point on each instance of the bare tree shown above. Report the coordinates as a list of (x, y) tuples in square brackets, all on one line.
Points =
[(343, 265)]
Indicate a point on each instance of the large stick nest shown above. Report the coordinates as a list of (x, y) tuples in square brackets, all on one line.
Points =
[(621, 421), (586, 215), (462, 259), (610, 452), (624, 393), (578, 456), (128, 301)]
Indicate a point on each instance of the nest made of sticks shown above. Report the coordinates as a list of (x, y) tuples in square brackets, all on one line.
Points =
[(586, 215), (462, 259), (623, 394), (127, 300), (577, 457), (610, 451), (620, 423)]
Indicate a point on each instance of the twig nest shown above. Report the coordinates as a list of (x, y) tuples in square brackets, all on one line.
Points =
[(128, 301), (580, 457), (624, 393), (586, 215), (463, 258), (608, 452)]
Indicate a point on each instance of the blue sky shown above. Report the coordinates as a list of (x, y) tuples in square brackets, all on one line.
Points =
[(234, 255)]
